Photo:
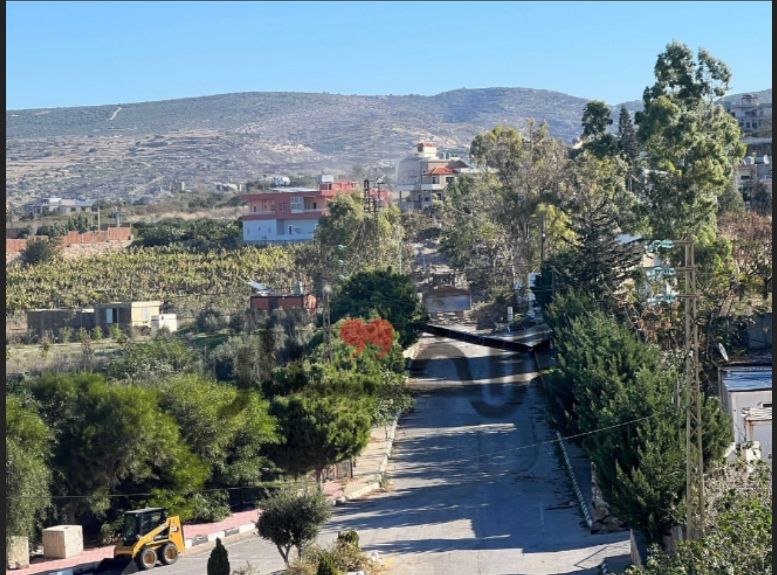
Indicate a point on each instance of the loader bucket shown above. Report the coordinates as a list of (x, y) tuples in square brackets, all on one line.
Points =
[(117, 566)]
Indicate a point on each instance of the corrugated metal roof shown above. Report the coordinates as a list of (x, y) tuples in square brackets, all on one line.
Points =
[(747, 378)]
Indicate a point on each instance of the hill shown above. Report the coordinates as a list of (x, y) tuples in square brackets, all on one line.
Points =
[(131, 150)]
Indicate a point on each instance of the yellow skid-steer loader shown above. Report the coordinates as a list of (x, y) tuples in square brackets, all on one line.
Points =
[(148, 536)]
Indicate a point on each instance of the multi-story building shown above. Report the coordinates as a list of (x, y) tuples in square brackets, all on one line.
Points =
[(752, 172), (282, 215), (424, 175), (291, 214), (754, 116)]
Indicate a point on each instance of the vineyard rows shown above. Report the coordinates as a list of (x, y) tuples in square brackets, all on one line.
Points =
[(161, 273)]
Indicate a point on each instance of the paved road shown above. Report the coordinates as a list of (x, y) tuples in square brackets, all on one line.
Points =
[(465, 501)]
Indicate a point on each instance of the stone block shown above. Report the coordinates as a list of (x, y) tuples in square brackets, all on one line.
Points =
[(18, 552), (63, 541)]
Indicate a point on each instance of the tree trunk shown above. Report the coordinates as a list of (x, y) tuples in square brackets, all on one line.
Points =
[(320, 478), (284, 555)]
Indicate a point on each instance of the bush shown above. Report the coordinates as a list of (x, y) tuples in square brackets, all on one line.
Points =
[(110, 532), (117, 334), (327, 566), (210, 507), (97, 333), (39, 251), (348, 537), (210, 321), (65, 334), (150, 361)]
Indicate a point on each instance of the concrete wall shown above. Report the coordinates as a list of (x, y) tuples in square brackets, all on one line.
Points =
[(73, 238), (761, 431), (39, 321), (735, 403)]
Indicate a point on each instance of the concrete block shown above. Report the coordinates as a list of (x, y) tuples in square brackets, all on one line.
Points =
[(63, 541), (18, 552)]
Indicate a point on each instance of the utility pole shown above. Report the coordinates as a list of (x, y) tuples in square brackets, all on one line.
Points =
[(694, 455), (399, 248), (327, 322)]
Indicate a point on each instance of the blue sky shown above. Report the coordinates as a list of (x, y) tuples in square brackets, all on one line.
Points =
[(88, 53)]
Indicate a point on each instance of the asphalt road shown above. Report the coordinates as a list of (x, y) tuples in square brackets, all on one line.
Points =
[(474, 489)]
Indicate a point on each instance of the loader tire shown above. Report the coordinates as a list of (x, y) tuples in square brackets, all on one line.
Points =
[(168, 554), (146, 558)]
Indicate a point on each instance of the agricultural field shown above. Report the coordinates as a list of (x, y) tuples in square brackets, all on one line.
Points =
[(185, 280)]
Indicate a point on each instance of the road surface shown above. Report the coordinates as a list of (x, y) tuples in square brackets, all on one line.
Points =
[(474, 489)]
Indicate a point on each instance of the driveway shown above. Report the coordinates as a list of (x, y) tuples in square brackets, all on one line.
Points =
[(474, 488)]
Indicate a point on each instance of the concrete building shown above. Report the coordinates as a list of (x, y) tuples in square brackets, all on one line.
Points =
[(754, 116), (59, 206), (746, 395), (133, 314), (752, 172), (283, 215), (271, 302), (424, 175), (40, 321)]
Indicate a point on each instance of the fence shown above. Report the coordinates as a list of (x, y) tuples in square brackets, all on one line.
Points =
[(122, 234)]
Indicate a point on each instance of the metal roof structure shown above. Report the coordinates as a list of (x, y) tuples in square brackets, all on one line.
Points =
[(747, 378)]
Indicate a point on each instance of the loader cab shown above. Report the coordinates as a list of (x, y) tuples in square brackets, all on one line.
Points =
[(139, 522)]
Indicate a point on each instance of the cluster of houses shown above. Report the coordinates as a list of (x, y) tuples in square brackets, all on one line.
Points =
[(283, 214), (755, 121)]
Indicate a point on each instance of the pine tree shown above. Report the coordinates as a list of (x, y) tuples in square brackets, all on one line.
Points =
[(218, 562), (627, 136)]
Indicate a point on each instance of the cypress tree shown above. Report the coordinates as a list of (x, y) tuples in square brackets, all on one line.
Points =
[(218, 562), (627, 136)]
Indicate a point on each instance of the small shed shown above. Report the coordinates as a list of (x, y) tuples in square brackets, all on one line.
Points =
[(271, 302), (126, 314), (746, 395)]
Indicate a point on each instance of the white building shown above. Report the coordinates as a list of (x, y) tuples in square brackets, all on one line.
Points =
[(746, 395), (424, 175)]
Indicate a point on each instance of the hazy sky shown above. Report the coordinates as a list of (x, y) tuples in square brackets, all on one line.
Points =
[(87, 53)]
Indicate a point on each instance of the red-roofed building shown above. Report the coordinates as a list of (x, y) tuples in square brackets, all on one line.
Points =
[(424, 176)]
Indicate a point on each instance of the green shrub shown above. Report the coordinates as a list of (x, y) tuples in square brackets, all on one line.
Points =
[(328, 566), (110, 532), (65, 334), (210, 321), (117, 334), (39, 251), (210, 507), (349, 537)]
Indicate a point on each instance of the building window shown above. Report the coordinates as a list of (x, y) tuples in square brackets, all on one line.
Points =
[(435, 180), (291, 228), (253, 208), (297, 204), (449, 180)]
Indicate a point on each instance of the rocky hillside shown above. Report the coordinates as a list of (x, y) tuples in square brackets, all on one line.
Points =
[(130, 150)]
